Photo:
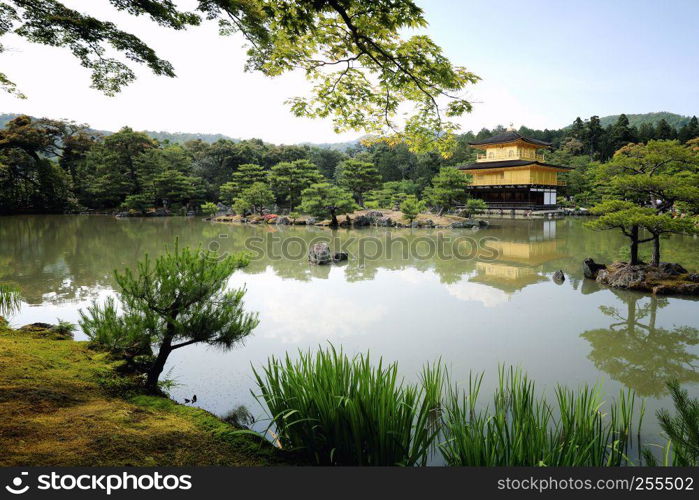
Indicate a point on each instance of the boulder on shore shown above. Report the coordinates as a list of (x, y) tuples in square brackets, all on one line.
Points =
[(319, 254), (663, 279), (591, 268), (559, 277), (623, 275), (671, 269)]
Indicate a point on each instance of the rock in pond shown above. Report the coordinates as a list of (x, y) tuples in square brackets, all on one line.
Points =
[(591, 268), (319, 254), (559, 277), (340, 256)]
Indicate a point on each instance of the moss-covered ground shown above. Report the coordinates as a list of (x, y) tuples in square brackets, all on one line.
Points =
[(62, 404)]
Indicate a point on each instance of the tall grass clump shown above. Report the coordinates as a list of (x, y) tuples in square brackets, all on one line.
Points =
[(341, 410), (10, 300), (521, 428)]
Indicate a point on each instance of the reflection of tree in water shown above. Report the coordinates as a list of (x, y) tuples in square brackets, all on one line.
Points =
[(61, 258), (640, 355)]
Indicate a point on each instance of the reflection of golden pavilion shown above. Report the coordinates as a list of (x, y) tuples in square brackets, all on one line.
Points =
[(519, 263), (509, 278), (533, 253)]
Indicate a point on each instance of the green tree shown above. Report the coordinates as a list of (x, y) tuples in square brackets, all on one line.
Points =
[(360, 66), (255, 198), (660, 172), (654, 179), (358, 177), (624, 216), (176, 301), (664, 131), (173, 187), (392, 193), (326, 160), (646, 132), (323, 199), (621, 134), (577, 131), (209, 209), (664, 224), (411, 207), (138, 202), (245, 176), (30, 178), (289, 179), (475, 206), (449, 188), (113, 168), (689, 131), (595, 136)]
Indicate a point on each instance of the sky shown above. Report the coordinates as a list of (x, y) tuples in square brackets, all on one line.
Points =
[(542, 63)]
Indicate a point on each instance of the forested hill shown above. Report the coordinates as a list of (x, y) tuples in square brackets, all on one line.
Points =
[(673, 119), (162, 136)]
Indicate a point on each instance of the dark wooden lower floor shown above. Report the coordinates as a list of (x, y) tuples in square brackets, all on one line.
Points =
[(526, 197)]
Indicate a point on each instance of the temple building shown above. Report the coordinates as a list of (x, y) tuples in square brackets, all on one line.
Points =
[(511, 173)]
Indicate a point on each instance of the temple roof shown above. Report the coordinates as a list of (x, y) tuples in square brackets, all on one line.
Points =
[(509, 163), (509, 136)]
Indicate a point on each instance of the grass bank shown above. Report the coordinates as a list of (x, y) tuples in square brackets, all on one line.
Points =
[(62, 404)]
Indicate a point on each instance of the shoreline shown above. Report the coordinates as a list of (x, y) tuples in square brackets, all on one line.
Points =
[(360, 219)]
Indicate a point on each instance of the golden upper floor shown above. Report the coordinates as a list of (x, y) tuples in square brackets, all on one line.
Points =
[(511, 159), (515, 152), (509, 146), (532, 174)]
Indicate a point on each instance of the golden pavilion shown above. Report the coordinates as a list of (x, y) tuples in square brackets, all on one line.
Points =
[(511, 173)]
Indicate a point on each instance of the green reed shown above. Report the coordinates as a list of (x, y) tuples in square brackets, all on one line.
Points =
[(342, 410), (522, 428)]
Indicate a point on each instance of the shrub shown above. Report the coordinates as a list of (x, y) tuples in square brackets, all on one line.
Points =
[(138, 202), (63, 330), (411, 207), (209, 209), (682, 449), (475, 206)]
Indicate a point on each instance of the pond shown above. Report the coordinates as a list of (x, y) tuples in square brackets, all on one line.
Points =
[(475, 300)]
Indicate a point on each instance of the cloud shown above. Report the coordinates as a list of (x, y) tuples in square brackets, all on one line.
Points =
[(477, 292), (295, 311)]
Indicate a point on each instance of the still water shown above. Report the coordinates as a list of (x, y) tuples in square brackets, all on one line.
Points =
[(409, 296)]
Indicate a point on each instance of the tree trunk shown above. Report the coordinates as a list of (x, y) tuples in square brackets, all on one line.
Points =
[(333, 222), (655, 257), (157, 367), (634, 246)]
